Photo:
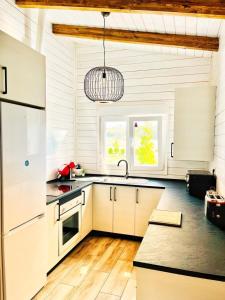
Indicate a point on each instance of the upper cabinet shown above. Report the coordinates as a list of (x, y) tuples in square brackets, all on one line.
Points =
[(194, 123), (22, 72)]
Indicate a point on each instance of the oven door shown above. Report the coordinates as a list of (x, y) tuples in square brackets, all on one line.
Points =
[(69, 229)]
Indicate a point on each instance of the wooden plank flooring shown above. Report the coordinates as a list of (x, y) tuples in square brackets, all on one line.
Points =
[(100, 268)]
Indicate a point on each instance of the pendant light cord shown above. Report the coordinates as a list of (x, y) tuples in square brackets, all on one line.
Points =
[(104, 41)]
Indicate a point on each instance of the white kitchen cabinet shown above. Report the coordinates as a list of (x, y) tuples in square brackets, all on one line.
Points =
[(123, 209), (194, 123), (25, 262), (22, 72), (102, 207), (86, 225), (147, 200), (53, 234)]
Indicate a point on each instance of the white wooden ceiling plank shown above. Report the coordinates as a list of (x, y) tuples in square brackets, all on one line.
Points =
[(148, 23), (128, 22), (179, 24), (190, 52), (115, 21), (158, 23), (169, 23), (207, 54), (181, 51), (191, 25), (138, 23), (198, 53), (222, 28), (214, 27), (202, 26)]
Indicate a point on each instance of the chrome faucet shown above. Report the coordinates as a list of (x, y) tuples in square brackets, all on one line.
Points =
[(126, 175)]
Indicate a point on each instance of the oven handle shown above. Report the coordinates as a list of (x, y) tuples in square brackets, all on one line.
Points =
[(74, 208), (58, 219)]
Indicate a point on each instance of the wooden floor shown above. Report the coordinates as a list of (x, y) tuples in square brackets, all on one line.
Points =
[(99, 268)]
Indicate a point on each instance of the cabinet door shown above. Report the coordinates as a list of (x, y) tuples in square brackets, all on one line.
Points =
[(147, 200), (124, 209), (24, 70), (23, 164), (102, 207), (25, 260), (194, 123), (86, 225), (53, 235)]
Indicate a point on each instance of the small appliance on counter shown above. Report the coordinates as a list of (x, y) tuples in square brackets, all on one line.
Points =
[(76, 172), (199, 181), (215, 208), (69, 171)]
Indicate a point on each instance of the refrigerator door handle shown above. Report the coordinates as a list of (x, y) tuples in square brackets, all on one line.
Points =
[(24, 225)]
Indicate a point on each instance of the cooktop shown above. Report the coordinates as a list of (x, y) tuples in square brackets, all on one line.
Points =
[(56, 189)]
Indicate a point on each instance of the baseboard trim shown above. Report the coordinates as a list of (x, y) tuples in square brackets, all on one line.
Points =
[(115, 235)]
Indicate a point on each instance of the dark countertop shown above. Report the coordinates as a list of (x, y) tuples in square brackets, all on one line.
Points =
[(80, 184), (196, 249)]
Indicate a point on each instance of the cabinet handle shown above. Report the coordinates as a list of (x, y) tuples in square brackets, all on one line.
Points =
[(110, 196), (84, 198), (58, 206), (171, 149), (137, 192), (5, 91), (115, 194)]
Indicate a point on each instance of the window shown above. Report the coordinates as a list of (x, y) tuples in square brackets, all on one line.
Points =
[(145, 133), (139, 140), (114, 141)]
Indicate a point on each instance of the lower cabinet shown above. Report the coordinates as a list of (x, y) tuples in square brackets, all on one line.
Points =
[(102, 207), (86, 223), (53, 234), (123, 209), (147, 200)]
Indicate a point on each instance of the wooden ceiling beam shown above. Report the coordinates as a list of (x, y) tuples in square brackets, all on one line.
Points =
[(202, 8), (139, 37)]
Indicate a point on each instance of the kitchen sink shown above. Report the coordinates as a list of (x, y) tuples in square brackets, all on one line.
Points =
[(125, 180), (111, 179)]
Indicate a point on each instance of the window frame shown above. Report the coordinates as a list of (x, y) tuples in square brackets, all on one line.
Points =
[(162, 140)]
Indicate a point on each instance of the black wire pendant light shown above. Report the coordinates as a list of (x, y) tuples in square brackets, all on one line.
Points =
[(104, 84)]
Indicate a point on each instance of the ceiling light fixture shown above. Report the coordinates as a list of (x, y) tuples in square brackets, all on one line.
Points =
[(104, 84)]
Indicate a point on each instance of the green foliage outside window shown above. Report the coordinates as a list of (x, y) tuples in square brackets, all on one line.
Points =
[(145, 151), (115, 152)]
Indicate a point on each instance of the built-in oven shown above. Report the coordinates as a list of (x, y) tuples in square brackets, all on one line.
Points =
[(69, 222)]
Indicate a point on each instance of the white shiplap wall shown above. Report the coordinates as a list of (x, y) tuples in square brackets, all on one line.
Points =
[(33, 28), (150, 79), (219, 150)]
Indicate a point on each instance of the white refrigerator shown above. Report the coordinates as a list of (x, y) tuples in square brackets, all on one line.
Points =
[(23, 204)]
